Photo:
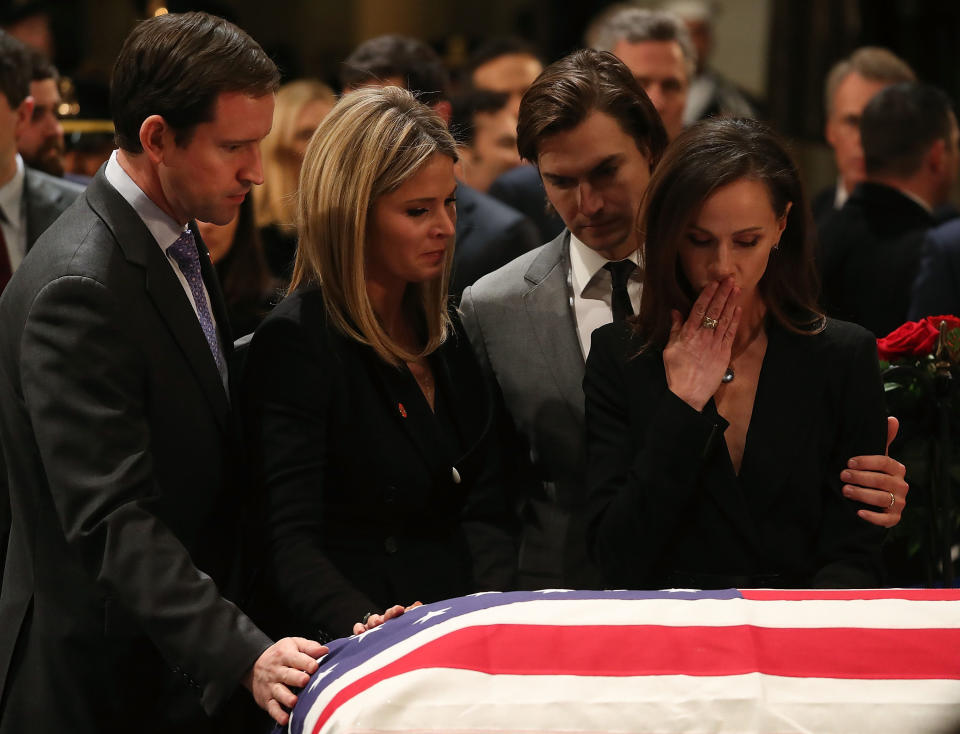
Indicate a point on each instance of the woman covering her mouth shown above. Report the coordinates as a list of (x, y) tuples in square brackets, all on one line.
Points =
[(719, 420)]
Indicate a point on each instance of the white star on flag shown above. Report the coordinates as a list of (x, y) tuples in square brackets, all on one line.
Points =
[(430, 615), (320, 677)]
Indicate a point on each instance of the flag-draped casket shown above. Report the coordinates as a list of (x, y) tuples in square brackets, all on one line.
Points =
[(881, 662)]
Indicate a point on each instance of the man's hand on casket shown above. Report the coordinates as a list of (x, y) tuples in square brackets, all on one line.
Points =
[(286, 664)]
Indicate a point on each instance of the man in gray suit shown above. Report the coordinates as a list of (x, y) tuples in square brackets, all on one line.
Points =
[(29, 200), (595, 137), (125, 466)]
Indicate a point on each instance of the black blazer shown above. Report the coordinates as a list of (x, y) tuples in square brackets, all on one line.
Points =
[(667, 509), (870, 252), (489, 235), (124, 466), (936, 290), (364, 497)]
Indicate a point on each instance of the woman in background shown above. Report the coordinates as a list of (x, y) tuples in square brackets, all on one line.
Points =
[(301, 106), (370, 421), (719, 421)]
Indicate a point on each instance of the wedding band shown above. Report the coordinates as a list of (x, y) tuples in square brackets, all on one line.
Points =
[(893, 501), (709, 323)]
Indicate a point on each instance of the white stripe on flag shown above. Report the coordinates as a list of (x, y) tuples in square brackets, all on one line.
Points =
[(464, 702)]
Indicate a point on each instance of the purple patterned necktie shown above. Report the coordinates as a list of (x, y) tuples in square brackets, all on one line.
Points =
[(184, 251)]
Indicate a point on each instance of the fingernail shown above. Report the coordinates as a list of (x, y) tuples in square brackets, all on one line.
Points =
[(847, 491), (846, 475), (852, 463)]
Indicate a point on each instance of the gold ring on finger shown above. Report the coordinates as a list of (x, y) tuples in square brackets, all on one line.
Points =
[(709, 323), (893, 501)]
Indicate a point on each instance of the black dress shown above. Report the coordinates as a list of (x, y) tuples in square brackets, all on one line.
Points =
[(668, 510)]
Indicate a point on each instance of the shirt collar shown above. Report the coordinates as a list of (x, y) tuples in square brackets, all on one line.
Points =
[(11, 196), (161, 225), (586, 263), (840, 194)]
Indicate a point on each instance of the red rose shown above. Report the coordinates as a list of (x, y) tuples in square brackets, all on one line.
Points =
[(952, 321), (913, 339)]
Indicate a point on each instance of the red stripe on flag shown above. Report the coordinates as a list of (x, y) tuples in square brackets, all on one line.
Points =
[(850, 594), (613, 650)]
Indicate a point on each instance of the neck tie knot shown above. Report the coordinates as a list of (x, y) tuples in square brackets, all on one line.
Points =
[(184, 252), (619, 274)]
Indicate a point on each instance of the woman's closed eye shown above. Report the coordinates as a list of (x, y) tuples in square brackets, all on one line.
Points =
[(748, 242), (699, 240)]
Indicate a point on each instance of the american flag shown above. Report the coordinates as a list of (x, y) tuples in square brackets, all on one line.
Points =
[(664, 661)]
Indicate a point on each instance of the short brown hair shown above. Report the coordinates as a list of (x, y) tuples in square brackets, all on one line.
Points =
[(899, 125), (871, 62), (175, 66), (588, 81), (14, 70), (705, 157)]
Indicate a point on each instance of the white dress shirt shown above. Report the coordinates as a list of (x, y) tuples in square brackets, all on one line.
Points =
[(14, 219), (593, 290), (164, 230), (840, 195)]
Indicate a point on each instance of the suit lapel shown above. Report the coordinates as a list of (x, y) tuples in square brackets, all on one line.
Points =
[(549, 315), (139, 247)]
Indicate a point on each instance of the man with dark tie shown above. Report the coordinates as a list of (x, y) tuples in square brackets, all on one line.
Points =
[(595, 137), (123, 457)]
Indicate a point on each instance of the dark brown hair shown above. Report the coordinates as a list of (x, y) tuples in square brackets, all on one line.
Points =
[(588, 81), (14, 70), (410, 59), (900, 123), (175, 66), (707, 156)]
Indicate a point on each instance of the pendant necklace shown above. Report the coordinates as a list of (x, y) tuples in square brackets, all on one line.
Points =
[(730, 373)]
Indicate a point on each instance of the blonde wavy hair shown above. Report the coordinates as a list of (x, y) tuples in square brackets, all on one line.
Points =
[(372, 141), (274, 202)]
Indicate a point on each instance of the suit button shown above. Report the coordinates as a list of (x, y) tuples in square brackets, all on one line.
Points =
[(390, 544), (455, 475)]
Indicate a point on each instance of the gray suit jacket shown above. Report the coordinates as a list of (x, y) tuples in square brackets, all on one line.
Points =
[(124, 466), (521, 324), (45, 198)]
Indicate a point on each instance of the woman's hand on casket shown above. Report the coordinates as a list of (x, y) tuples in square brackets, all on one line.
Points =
[(375, 620)]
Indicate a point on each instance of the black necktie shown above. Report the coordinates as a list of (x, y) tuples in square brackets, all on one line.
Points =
[(620, 274)]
